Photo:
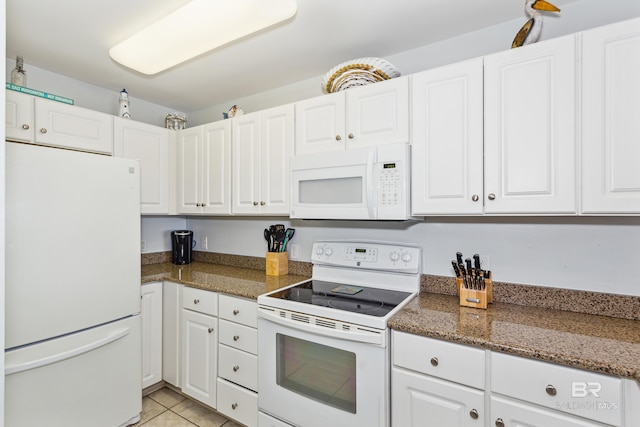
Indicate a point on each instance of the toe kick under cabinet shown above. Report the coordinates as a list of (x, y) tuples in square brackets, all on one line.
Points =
[(238, 360), (440, 383)]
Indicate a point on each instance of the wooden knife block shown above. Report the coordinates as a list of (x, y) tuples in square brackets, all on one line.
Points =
[(475, 298), (277, 263)]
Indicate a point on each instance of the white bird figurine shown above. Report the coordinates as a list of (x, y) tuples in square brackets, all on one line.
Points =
[(530, 32)]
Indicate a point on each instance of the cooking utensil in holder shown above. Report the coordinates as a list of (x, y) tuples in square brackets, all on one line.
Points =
[(277, 263), (478, 297)]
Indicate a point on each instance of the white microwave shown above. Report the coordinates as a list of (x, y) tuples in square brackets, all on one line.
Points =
[(369, 184)]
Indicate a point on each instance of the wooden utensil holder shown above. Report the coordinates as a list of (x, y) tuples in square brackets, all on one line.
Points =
[(476, 298), (277, 263)]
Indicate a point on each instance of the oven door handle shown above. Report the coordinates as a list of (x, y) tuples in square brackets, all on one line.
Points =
[(355, 333)]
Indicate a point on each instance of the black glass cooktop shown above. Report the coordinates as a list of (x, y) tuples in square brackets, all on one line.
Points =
[(357, 299)]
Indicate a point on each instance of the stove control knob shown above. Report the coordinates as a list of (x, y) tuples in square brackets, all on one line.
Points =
[(319, 250), (406, 257), (328, 251), (394, 256)]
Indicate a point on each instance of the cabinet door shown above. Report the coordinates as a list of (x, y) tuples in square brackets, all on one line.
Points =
[(151, 319), (19, 119), (246, 164), (420, 400), (200, 356), (216, 168), (512, 413), (189, 147), (150, 145), (276, 148), (320, 124), (378, 113), (67, 126), (171, 348), (447, 153), (610, 112), (530, 138)]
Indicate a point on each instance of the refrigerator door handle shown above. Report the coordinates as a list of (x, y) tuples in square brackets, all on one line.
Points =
[(32, 364)]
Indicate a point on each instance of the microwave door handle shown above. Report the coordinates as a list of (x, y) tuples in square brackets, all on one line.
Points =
[(371, 183)]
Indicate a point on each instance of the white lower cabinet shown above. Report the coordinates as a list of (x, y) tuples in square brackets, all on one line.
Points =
[(151, 320), (171, 332), (199, 344), (440, 383), (421, 400), (238, 360)]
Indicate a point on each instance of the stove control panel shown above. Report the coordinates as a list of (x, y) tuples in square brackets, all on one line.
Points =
[(373, 256)]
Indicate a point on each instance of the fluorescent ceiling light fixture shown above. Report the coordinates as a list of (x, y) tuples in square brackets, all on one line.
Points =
[(196, 28)]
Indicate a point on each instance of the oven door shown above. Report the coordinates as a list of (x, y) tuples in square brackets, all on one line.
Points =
[(307, 377), (334, 185)]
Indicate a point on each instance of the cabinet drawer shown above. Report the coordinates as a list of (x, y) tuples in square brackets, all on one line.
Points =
[(200, 300), (442, 359), (574, 391), (238, 366), (238, 336), (239, 310), (237, 403)]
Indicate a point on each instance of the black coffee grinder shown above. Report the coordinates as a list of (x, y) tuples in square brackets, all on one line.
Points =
[(181, 244)]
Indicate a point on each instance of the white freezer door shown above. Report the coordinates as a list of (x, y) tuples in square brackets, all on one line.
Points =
[(72, 241), (91, 378)]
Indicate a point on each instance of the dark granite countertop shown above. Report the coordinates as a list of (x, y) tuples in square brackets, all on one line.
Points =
[(602, 344), (239, 281)]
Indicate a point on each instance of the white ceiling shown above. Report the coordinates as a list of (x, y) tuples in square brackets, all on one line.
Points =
[(73, 38)]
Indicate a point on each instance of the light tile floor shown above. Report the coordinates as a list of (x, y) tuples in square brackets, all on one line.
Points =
[(166, 408)]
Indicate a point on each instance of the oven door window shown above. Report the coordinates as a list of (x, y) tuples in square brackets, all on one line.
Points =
[(319, 372)]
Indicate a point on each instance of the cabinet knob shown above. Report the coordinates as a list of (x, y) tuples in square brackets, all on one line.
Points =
[(255, 203), (499, 422), (196, 301), (475, 198), (491, 196), (551, 390), (338, 137), (351, 136), (236, 337), (434, 361), (236, 312), (203, 204), (234, 405), (262, 203), (210, 330), (235, 368), (25, 127), (43, 130), (198, 204), (473, 414)]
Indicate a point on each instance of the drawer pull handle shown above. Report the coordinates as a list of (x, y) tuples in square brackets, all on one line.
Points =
[(43, 130), (234, 406), (236, 312), (473, 414), (551, 390), (210, 330), (236, 337), (235, 368), (25, 127), (434, 361), (499, 422), (196, 301)]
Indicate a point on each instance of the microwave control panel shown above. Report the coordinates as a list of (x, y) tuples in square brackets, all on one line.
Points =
[(389, 184)]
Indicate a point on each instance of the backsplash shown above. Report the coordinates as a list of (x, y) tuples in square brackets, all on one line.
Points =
[(612, 305)]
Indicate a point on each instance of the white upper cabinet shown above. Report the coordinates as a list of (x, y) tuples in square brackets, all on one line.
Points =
[(611, 119), (204, 169), (447, 134), (262, 146), (19, 117), (151, 146), (365, 116), (76, 128), (530, 129)]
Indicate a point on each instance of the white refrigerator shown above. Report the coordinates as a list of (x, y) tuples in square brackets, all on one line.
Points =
[(72, 348)]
